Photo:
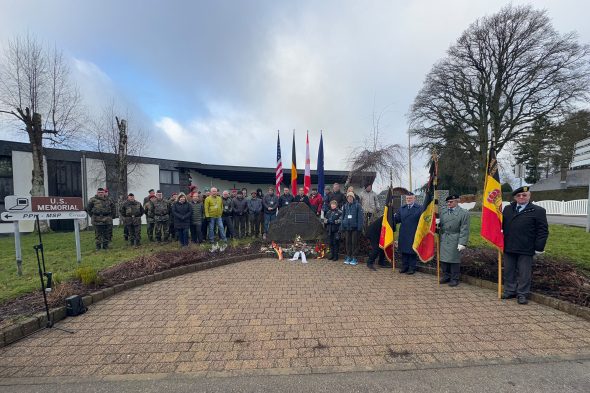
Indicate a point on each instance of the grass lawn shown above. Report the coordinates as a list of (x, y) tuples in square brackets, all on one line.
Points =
[(564, 241), (60, 257)]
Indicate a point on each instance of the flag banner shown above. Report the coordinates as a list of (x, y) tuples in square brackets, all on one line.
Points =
[(279, 170), (424, 240), (321, 184), (307, 176), (491, 212), (386, 240), (293, 168)]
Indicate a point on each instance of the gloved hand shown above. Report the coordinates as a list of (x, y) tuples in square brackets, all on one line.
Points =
[(395, 244), (460, 247), (437, 221)]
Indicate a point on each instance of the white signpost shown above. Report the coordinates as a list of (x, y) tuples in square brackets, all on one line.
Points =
[(28, 208)]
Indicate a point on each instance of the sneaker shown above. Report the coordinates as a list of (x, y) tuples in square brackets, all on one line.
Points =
[(346, 260), (353, 262)]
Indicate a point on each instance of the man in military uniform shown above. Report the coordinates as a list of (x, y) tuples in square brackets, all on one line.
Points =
[(454, 235), (525, 234), (161, 209), (102, 210), (110, 227), (130, 213), (171, 202), (150, 216)]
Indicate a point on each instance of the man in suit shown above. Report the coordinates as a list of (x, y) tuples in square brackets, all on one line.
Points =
[(525, 234), (408, 216), (454, 236)]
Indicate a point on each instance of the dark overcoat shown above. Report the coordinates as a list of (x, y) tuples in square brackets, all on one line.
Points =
[(408, 218), (524, 232)]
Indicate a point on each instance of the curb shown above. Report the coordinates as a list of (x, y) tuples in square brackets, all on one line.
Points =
[(38, 321), (561, 305)]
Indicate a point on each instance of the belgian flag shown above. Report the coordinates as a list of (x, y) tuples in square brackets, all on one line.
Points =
[(386, 239), (491, 212), (424, 241)]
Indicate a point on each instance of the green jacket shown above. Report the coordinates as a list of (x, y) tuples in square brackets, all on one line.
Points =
[(131, 212), (102, 210), (454, 230), (213, 207)]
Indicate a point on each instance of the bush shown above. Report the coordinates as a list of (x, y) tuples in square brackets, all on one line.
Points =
[(87, 275)]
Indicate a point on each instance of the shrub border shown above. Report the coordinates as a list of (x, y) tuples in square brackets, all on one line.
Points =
[(561, 305), (20, 330)]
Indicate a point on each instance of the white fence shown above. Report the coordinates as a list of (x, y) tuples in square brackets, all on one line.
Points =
[(578, 207)]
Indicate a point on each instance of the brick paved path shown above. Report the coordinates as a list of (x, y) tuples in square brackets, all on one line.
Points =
[(265, 316)]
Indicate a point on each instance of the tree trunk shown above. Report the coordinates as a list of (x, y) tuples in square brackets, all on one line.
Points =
[(35, 131), (122, 160)]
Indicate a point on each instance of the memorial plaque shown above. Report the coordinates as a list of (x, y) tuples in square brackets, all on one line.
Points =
[(296, 219)]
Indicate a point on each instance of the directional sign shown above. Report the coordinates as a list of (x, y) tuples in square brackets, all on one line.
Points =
[(16, 204), (31, 216)]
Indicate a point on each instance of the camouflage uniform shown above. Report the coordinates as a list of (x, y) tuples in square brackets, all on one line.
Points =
[(130, 213), (161, 209), (150, 218), (171, 230), (102, 210)]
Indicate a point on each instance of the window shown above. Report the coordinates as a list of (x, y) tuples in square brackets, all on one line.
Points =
[(6, 183), (169, 177)]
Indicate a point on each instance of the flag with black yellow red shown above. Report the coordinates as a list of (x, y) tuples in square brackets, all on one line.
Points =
[(424, 240), (491, 212), (386, 239)]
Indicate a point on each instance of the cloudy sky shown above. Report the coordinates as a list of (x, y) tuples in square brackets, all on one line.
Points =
[(213, 81)]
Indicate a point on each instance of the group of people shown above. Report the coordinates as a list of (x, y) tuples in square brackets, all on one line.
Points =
[(196, 216)]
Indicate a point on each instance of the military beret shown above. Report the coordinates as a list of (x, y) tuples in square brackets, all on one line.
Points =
[(158, 192), (451, 197), (150, 190), (152, 197), (130, 194), (100, 189), (253, 192), (174, 193), (521, 189), (410, 193)]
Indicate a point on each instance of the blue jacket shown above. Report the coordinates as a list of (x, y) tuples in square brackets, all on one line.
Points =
[(352, 217), (409, 222)]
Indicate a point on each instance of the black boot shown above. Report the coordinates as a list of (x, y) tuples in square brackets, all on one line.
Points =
[(105, 246), (98, 247)]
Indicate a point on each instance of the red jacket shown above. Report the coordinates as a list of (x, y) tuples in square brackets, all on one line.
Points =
[(317, 202)]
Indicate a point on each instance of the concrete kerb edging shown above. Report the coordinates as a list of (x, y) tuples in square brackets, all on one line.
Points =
[(38, 321), (561, 305)]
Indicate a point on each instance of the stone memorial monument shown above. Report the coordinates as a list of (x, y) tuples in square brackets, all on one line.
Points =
[(296, 219)]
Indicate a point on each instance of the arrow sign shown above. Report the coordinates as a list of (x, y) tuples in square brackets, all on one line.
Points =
[(31, 216)]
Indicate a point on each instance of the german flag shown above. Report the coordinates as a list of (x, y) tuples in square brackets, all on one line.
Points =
[(491, 213), (424, 242), (293, 168), (387, 227)]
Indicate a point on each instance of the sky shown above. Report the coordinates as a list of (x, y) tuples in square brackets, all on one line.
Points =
[(213, 81)]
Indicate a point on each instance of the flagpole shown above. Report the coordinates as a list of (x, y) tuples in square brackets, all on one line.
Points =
[(499, 274), (391, 187), (436, 234), (410, 159)]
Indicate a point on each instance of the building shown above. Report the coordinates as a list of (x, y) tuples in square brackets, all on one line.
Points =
[(581, 157), (79, 173)]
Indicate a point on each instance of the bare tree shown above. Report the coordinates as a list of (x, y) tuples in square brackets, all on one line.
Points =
[(37, 93), (386, 160), (119, 145), (505, 72)]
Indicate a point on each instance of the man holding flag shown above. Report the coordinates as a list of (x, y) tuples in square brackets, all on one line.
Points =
[(408, 216), (424, 240), (454, 236)]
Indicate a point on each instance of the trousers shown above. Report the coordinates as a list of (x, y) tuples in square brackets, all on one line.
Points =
[(518, 270)]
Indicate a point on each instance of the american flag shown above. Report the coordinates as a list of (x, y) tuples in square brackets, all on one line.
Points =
[(279, 171)]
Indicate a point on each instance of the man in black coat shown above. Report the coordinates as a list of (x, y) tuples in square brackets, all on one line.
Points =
[(525, 234), (408, 216)]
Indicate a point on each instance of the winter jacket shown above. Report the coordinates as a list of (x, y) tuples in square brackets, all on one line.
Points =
[(285, 199), (240, 206), (525, 232), (303, 198), (198, 212), (254, 206), (333, 220), (317, 202), (270, 201), (369, 201), (454, 230), (181, 213), (227, 206), (213, 207), (352, 217), (334, 196), (408, 217)]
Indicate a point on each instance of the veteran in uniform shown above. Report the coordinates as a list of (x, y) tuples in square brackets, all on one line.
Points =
[(454, 234), (525, 234), (102, 210)]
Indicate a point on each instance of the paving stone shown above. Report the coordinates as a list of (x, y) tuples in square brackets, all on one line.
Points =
[(289, 317)]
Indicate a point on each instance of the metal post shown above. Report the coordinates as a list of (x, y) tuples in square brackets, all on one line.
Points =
[(588, 210), (77, 235), (19, 254)]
